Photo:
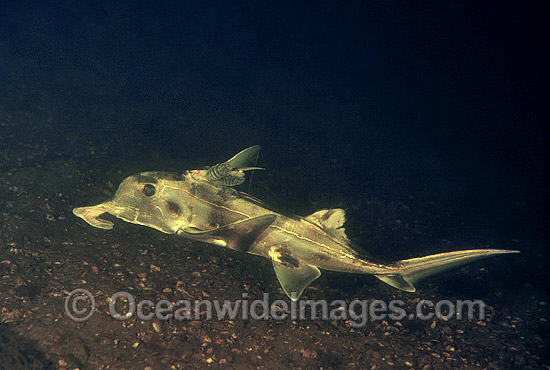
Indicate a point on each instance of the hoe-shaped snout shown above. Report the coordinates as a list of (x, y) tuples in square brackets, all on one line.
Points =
[(91, 214), (142, 199)]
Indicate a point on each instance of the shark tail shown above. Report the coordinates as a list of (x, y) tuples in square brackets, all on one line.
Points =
[(407, 272)]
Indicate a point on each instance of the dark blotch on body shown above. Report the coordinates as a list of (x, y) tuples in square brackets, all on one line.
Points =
[(289, 261), (173, 208), (322, 257), (286, 259)]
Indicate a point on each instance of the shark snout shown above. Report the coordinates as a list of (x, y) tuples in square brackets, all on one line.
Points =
[(91, 215)]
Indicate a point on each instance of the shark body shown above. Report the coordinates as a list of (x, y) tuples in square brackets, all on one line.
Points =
[(201, 205)]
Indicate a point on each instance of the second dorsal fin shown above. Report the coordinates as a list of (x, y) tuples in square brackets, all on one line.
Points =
[(331, 220)]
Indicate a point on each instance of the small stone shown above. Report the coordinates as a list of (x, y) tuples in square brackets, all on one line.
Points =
[(205, 340), (156, 327), (154, 268), (308, 353)]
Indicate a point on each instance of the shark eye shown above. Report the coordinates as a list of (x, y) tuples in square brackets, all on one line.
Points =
[(149, 190)]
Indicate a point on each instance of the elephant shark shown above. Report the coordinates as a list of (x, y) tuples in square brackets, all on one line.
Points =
[(203, 205)]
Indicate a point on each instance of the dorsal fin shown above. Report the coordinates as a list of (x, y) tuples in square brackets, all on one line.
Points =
[(231, 172), (331, 220)]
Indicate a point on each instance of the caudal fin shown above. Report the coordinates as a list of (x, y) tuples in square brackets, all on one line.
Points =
[(408, 272)]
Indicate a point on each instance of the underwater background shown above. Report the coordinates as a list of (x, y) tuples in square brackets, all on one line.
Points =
[(426, 121)]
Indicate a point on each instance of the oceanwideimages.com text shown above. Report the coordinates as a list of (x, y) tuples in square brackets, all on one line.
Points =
[(80, 306)]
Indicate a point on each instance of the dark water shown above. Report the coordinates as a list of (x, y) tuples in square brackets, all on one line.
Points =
[(431, 114)]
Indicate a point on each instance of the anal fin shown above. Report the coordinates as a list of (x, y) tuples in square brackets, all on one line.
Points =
[(397, 281)]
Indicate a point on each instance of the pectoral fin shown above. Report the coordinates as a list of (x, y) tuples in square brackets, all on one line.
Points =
[(295, 279), (238, 235)]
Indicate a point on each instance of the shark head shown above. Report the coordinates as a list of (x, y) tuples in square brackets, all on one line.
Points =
[(151, 199)]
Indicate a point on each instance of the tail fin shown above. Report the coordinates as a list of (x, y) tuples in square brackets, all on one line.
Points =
[(408, 272)]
